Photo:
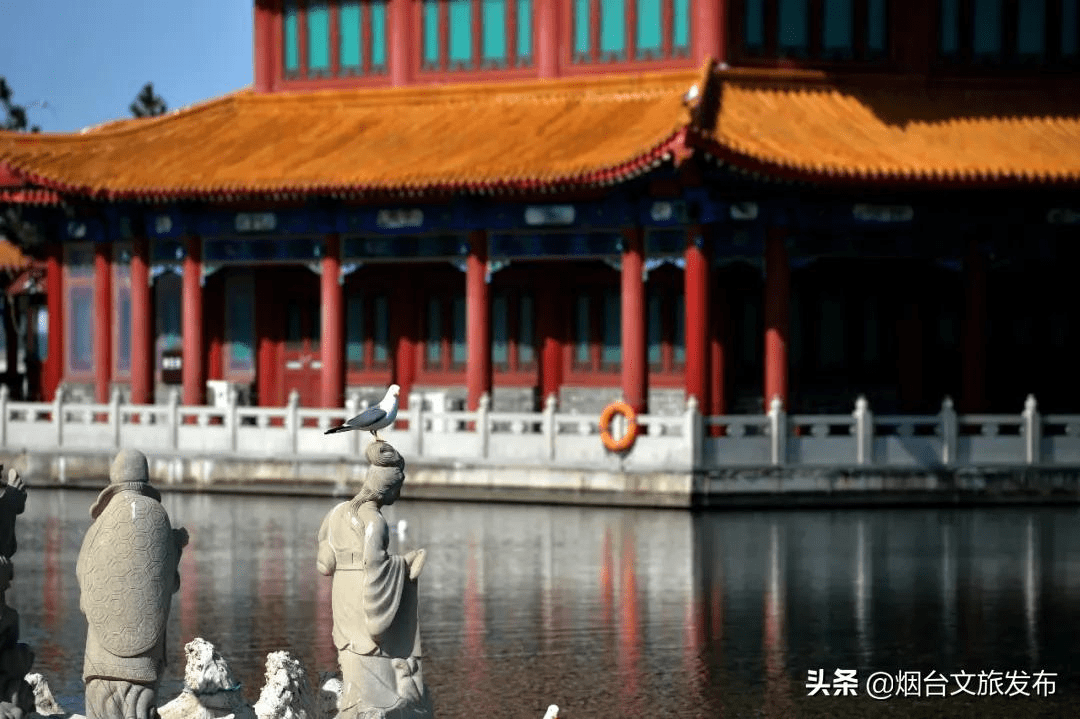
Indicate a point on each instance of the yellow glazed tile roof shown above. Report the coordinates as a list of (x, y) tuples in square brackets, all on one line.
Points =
[(580, 132), (810, 126), (568, 133)]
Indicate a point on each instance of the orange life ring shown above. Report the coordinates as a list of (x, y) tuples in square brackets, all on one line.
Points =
[(627, 440)]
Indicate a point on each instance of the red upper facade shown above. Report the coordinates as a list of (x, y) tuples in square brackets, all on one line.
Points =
[(316, 44)]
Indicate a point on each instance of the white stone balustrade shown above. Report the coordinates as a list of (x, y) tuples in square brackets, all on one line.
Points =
[(551, 438)]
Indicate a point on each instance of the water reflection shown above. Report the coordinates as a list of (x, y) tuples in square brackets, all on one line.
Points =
[(609, 613)]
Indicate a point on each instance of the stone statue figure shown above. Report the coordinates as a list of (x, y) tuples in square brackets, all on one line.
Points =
[(16, 695), (12, 503), (128, 571), (374, 599)]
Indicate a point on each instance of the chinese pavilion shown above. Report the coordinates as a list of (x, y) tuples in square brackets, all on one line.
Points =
[(730, 199)]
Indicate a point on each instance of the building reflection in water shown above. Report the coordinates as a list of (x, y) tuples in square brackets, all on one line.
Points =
[(608, 613)]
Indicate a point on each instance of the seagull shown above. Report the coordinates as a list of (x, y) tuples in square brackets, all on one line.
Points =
[(374, 418)]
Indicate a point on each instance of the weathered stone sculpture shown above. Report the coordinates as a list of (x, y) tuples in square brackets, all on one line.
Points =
[(16, 696), (374, 600), (12, 503), (128, 572)]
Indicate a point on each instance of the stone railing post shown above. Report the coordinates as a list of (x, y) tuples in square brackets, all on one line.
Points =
[(416, 421), (950, 432), (292, 420), (550, 405), (58, 415), (864, 432), (778, 431), (232, 416), (3, 414), (174, 418), (114, 415), (693, 431), (1032, 431), (483, 423)]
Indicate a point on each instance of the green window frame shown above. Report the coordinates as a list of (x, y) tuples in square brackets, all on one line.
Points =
[(600, 31), (291, 37), (470, 35), (350, 37), (318, 38)]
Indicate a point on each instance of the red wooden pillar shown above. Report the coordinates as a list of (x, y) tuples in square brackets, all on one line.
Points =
[(54, 290), (400, 47), (633, 320), (777, 310), (910, 357), (478, 320), (142, 366), (405, 326), (696, 289), (718, 342), (264, 48), (103, 320), (268, 328), (973, 389), (549, 324), (708, 28), (333, 326), (194, 392), (547, 39)]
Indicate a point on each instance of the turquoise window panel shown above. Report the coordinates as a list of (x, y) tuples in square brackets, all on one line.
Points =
[(650, 24), (318, 45), (611, 350), (524, 31), (378, 36), (354, 331), (381, 340), (877, 27), (167, 308), (1070, 42), (434, 333), (461, 25), (681, 25), (581, 29), (240, 322), (493, 37), (431, 33), (81, 332), (755, 24), (582, 330), (949, 22), (838, 28), (123, 327), (459, 352), (613, 28), (793, 21), (655, 325), (987, 24), (350, 50), (678, 342), (42, 331), (290, 32), (526, 333), (1031, 28), (500, 331)]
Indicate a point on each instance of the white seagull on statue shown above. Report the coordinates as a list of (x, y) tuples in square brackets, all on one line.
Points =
[(374, 418)]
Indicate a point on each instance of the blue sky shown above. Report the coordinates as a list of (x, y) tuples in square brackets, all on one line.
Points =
[(75, 63)]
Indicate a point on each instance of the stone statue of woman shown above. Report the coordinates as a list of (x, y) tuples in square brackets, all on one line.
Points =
[(128, 570), (374, 599)]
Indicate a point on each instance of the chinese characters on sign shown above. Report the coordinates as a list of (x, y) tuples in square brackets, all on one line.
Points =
[(885, 685)]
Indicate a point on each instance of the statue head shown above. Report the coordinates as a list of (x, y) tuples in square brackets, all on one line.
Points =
[(385, 476), (129, 466)]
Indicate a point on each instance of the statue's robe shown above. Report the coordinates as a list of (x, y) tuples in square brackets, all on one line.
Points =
[(128, 572), (376, 627)]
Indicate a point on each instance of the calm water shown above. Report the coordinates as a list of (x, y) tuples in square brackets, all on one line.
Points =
[(617, 613)]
